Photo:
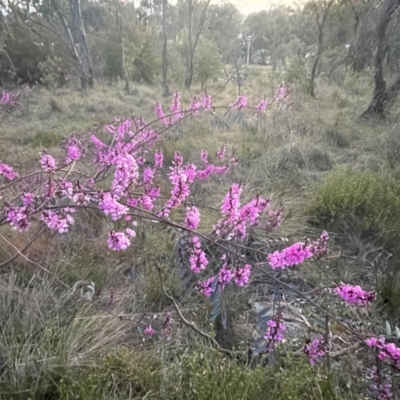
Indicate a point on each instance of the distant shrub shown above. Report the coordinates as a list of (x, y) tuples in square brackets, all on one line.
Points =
[(197, 374), (336, 138), (369, 202), (46, 139)]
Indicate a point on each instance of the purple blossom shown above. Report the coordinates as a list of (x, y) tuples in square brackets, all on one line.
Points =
[(225, 276), (242, 275), (28, 198), (5, 98), (194, 105), (241, 102), (18, 217), (118, 241), (206, 101), (149, 331), (111, 207), (205, 287), (293, 255), (314, 350), (192, 219), (261, 107), (274, 333), (74, 150), (158, 159), (198, 260), (48, 163), (221, 152), (59, 221), (7, 171), (355, 295)]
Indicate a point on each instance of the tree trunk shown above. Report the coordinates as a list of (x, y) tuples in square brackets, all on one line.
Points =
[(320, 39), (68, 39), (189, 58), (86, 61), (381, 96), (165, 51), (120, 29), (193, 44)]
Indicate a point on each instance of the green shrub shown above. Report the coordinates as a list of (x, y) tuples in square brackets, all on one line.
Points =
[(366, 201)]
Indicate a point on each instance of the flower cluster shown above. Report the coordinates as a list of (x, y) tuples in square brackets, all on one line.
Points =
[(198, 259), (236, 219), (387, 352), (118, 241), (192, 219), (18, 217), (74, 150), (7, 171), (274, 333), (295, 254), (381, 389), (261, 107), (282, 94), (314, 350), (241, 102), (48, 163), (5, 97), (59, 221), (299, 252), (355, 295)]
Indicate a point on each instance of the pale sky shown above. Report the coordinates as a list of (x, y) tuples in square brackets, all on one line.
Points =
[(249, 6)]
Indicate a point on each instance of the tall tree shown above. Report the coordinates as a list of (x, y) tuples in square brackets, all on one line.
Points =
[(194, 40), (119, 19), (320, 11), (382, 94), (165, 49), (80, 36)]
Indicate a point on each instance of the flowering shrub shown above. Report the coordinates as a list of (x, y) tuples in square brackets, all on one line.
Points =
[(125, 155), (9, 101)]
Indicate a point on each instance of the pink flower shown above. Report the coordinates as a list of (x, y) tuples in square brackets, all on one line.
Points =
[(198, 260), (314, 350), (194, 105), (149, 331), (242, 275), (221, 152), (192, 219), (293, 255), (48, 163), (118, 241), (74, 150), (5, 97), (240, 102), (262, 106), (7, 171), (18, 217), (274, 333), (97, 142), (111, 207), (206, 101), (204, 156), (158, 109), (225, 277), (28, 198), (176, 107), (158, 159), (59, 221), (205, 287), (355, 295)]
